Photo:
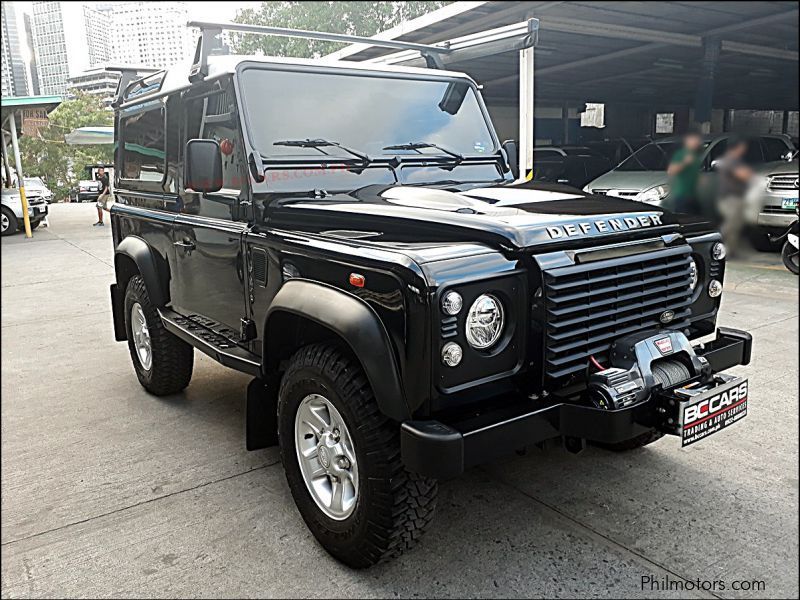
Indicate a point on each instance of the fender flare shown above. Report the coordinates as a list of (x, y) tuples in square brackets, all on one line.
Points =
[(356, 323), (146, 260)]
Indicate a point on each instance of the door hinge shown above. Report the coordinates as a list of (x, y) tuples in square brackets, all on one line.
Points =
[(248, 330)]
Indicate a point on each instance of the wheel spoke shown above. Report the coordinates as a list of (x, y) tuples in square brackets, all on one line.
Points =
[(336, 495)]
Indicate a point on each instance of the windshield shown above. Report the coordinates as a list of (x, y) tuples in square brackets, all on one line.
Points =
[(33, 181), (365, 113)]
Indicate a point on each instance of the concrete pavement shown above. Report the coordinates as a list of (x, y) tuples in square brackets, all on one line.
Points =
[(107, 491)]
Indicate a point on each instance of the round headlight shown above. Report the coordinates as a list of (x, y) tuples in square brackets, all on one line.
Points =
[(485, 322), (452, 354), (692, 274), (714, 288), (718, 251), (452, 303)]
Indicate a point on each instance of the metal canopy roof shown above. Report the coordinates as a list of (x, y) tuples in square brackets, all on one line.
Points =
[(20, 103), (638, 52)]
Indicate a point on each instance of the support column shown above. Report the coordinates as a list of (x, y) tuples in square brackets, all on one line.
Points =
[(785, 122), (12, 124), (526, 139), (6, 166), (705, 88), (565, 124)]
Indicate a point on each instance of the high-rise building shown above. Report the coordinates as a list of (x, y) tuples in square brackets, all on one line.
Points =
[(96, 82), (13, 78), (34, 72), (152, 34), (68, 39)]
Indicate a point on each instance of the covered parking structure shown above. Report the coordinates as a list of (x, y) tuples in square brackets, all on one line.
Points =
[(13, 112), (711, 63)]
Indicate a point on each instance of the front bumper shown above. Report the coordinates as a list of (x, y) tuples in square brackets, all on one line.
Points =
[(443, 450), (780, 220)]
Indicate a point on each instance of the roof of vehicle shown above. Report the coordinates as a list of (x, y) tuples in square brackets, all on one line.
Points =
[(176, 78)]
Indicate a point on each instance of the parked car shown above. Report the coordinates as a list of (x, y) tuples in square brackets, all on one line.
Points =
[(406, 309), (772, 201), (88, 190), (11, 207), (570, 165), (618, 149), (643, 175), (36, 188)]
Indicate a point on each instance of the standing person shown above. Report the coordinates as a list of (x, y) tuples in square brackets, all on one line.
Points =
[(733, 179), (105, 194), (684, 171)]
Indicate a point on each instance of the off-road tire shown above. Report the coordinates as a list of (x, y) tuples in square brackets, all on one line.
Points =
[(173, 359), (394, 506), (13, 223)]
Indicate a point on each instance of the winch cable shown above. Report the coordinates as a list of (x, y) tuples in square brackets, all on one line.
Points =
[(596, 364)]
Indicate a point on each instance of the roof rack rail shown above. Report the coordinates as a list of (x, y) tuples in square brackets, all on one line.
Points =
[(128, 74), (209, 31)]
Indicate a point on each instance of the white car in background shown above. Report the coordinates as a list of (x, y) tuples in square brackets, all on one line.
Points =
[(36, 188), (11, 208)]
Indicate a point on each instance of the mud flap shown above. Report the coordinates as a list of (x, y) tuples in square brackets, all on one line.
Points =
[(261, 415)]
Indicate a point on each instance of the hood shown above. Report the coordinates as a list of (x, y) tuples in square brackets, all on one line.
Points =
[(509, 216), (628, 180), (781, 167)]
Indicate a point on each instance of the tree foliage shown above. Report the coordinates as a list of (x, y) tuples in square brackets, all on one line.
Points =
[(353, 18), (47, 155)]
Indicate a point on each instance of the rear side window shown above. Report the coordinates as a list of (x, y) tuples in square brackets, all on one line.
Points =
[(754, 155), (774, 148), (143, 151)]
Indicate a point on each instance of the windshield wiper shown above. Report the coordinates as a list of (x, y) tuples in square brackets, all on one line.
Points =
[(319, 144), (419, 145)]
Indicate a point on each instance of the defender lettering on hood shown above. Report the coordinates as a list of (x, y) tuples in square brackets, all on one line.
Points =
[(602, 226)]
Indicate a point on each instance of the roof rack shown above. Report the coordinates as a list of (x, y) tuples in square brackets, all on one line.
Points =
[(128, 74), (209, 31)]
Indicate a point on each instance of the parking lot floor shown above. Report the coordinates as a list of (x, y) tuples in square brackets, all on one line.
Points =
[(107, 491)]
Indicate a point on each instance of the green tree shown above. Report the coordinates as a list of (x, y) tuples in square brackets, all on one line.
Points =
[(48, 156), (354, 18)]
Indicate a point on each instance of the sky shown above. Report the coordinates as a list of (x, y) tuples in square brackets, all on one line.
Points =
[(198, 11)]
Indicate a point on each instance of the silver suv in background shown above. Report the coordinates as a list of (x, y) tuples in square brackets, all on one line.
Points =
[(643, 175), (772, 200), (11, 210)]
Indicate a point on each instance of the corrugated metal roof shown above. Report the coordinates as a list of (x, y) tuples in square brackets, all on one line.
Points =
[(643, 52)]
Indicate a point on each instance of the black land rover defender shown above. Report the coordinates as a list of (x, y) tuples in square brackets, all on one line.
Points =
[(352, 237)]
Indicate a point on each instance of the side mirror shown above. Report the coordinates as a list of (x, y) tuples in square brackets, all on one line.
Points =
[(512, 157), (203, 169), (715, 164)]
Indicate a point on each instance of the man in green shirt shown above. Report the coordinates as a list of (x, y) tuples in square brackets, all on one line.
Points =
[(684, 171)]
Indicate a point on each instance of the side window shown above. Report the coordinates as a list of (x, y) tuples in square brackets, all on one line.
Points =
[(754, 155), (173, 145), (143, 152), (715, 153), (774, 148), (213, 117)]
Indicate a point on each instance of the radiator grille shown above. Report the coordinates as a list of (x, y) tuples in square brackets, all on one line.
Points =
[(589, 306), (782, 183)]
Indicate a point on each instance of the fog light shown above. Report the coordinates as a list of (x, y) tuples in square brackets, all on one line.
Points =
[(714, 288), (452, 354), (718, 251), (452, 303)]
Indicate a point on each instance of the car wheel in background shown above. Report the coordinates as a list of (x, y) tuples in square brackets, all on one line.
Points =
[(9, 221)]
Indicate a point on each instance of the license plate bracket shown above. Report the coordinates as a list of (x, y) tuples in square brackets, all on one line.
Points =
[(789, 203), (705, 410)]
